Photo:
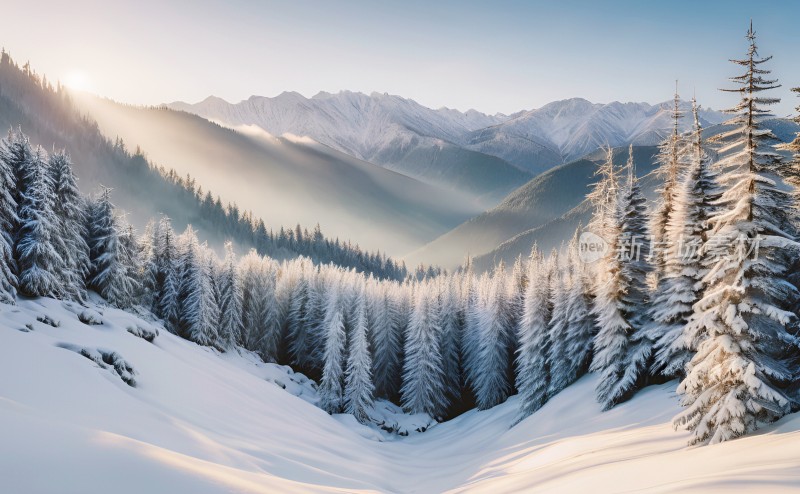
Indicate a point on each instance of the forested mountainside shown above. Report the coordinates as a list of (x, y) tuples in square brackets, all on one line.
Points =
[(143, 190)]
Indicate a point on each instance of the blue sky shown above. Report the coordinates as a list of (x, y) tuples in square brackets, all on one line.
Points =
[(499, 56)]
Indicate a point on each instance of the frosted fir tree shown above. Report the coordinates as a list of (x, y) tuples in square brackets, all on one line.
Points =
[(734, 381), (299, 337), (16, 151), (36, 257), (634, 296), (125, 287), (581, 324), (532, 371), (493, 366), (230, 301), (558, 361), (102, 240), (261, 324), (70, 242), (167, 275), (681, 283), (670, 167), (8, 221), (331, 389), (450, 336), (199, 313), (423, 374), (611, 310), (386, 320), (358, 387)]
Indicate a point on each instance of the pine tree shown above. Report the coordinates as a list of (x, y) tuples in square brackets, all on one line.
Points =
[(36, 256), (70, 244), (358, 388), (230, 301), (533, 374), (167, 265), (103, 239), (734, 381), (8, 221), (385, 322), (126, 280), (423, 387), (634, 273), (581, 325), (557, 359), (681, 283), (331, 391), (669, 169), (450, 337), (300, 339), (199, 314), (620, 291)]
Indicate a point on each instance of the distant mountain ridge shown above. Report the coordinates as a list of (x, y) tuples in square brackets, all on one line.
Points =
[(449, 147)]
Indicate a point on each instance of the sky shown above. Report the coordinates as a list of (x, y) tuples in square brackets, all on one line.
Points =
[(498, 56)]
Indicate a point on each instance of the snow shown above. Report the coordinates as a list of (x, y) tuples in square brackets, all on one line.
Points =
[(202, 422)]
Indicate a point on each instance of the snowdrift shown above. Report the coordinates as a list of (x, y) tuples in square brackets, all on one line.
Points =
[(89, 404)]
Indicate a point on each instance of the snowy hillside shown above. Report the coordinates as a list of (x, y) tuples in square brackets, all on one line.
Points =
[(203, 422)]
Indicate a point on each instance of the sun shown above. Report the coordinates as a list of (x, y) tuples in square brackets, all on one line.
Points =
[(77, 80)]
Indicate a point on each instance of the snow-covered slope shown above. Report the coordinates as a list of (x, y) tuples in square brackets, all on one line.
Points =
[(387, 130), (289, 180), (197, 421)]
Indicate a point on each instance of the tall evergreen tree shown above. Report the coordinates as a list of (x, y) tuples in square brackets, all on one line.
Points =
[(358, 388), (681, 283), (670, 168), (423, 387), (8, 220), (734, 382), (533, 374), (331, 388), (230, 301), (384, 315), (581, 325), (36, 256), (557, 358), (70, 244)]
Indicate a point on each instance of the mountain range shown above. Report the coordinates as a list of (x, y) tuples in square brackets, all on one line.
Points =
[(470, 151)]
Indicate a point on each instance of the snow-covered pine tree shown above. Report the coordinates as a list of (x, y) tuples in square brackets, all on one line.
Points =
[(126, 280), (491, 382), (166, 301), (669, 170), (581, 325), (199, 314), (230, 301), (734, 381), (331, 390), (358, 387), (298, 334), (70, 242), (423, 376), (8, 221), (558, 361), (611, 341), (634, 296), (385, 337), (532, 373), (450, 336), (261, 325), (102, 240), (36, 257), (681, 284), (16, 151)]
